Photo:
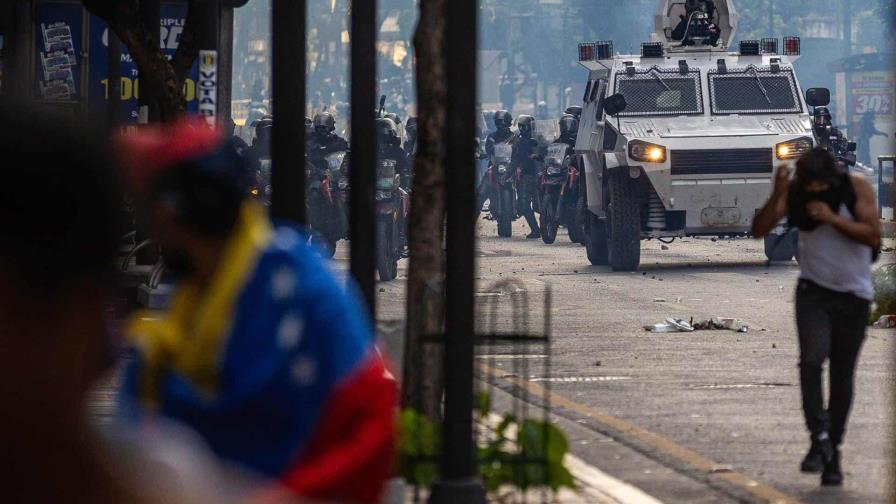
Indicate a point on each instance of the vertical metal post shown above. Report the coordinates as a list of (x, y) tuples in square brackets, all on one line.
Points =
[(113, 103), (288, 104), (362, 213), (846, 51), (225, 63), (459, 479)]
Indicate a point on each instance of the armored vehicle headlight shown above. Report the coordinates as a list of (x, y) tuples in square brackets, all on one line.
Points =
[(646, 152), (793, 148)]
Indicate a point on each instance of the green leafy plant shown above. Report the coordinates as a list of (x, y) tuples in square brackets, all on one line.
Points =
[(524, 455)]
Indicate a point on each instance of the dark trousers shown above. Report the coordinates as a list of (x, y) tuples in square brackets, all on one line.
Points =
[(831, 326), (526, 194)]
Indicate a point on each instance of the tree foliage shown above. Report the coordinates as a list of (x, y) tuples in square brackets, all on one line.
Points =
[(162, 81)]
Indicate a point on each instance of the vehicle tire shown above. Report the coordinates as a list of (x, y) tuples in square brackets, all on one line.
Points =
[(779, 248), (386, 261), (547, 220), (624, 222), (505, 227), (596, 240), (505, 214), (577, 228)]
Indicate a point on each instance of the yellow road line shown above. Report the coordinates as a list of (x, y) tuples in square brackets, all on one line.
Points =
[(665, 445)]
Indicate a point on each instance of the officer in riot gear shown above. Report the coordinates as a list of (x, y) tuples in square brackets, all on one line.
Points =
[(388, 146), (569, 128), (309, 127), (323, 141), (527, 157), (261, 144), (502, 121)]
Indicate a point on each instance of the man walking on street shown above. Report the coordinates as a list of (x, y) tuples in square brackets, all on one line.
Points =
[(836, 214)]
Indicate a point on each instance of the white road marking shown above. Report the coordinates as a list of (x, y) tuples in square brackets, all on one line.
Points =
[(579, 379)]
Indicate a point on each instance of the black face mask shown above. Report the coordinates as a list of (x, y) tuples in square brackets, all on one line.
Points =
[(178, 263), (798, 198)]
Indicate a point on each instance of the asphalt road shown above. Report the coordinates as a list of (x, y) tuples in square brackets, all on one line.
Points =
[(708, 397)]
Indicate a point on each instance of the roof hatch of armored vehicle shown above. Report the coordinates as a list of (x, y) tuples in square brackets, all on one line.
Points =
[(683, 25)]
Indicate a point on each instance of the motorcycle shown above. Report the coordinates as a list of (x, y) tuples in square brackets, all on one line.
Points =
[(343, 184), (392, 206), (261, 190), (502, 189), (558, 184), (326, 217)]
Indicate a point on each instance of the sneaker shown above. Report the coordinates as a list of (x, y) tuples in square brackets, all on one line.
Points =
[(533, 235), (832, 475), (820, 452)]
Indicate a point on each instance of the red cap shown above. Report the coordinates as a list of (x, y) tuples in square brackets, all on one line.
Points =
[(155, 149)]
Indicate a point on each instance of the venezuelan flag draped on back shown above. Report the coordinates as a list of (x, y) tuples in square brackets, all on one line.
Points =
[(273, 364)]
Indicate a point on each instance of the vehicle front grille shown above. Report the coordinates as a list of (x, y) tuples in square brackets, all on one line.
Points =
[(720, 161)]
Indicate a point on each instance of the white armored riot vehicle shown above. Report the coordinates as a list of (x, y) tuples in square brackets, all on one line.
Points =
[(682, 139)]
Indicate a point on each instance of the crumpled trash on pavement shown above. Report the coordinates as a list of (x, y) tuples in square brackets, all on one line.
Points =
[(721, 323), (669, 326), (716, 323)]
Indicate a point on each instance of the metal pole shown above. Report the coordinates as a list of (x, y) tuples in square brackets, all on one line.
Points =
[(113, 104), (459, 479), (362, 213), (225, 64), (288, 104)]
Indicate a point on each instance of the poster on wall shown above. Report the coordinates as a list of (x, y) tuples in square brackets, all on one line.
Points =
[(171, 26), (874, 93), (58, 36)]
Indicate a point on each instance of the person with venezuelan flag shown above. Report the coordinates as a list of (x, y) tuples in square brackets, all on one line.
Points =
[(260, 351)]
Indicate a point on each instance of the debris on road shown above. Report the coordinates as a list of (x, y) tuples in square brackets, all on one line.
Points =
[(671, 325), (721, 323), (664, 247), (886, 322), (659, 300), (713, 324)]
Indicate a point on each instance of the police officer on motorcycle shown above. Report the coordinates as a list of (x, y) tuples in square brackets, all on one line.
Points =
[(527, 157), (261, 144), (388, 146), (569, 128), (323, 141), (502, 121)]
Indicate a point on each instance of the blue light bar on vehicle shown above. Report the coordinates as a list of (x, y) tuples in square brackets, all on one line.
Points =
[(652, 50), (791, 46), (769, 46), (586, 52), (749, 48), (604, 49)]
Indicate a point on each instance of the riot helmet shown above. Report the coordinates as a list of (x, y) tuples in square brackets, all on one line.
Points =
[(575, 111), (821, 117), (262, 141), (503, 120), (569, 126), (386, 132), (324, 124), (410, 129), (525, 123)]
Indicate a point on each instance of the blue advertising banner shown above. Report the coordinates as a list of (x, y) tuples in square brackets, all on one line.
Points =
[(170, 29), (58, 35)]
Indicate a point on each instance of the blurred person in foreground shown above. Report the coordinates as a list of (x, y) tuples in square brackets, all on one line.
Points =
[(60, 225), (260, 351), (839, 232), (58, 237)]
